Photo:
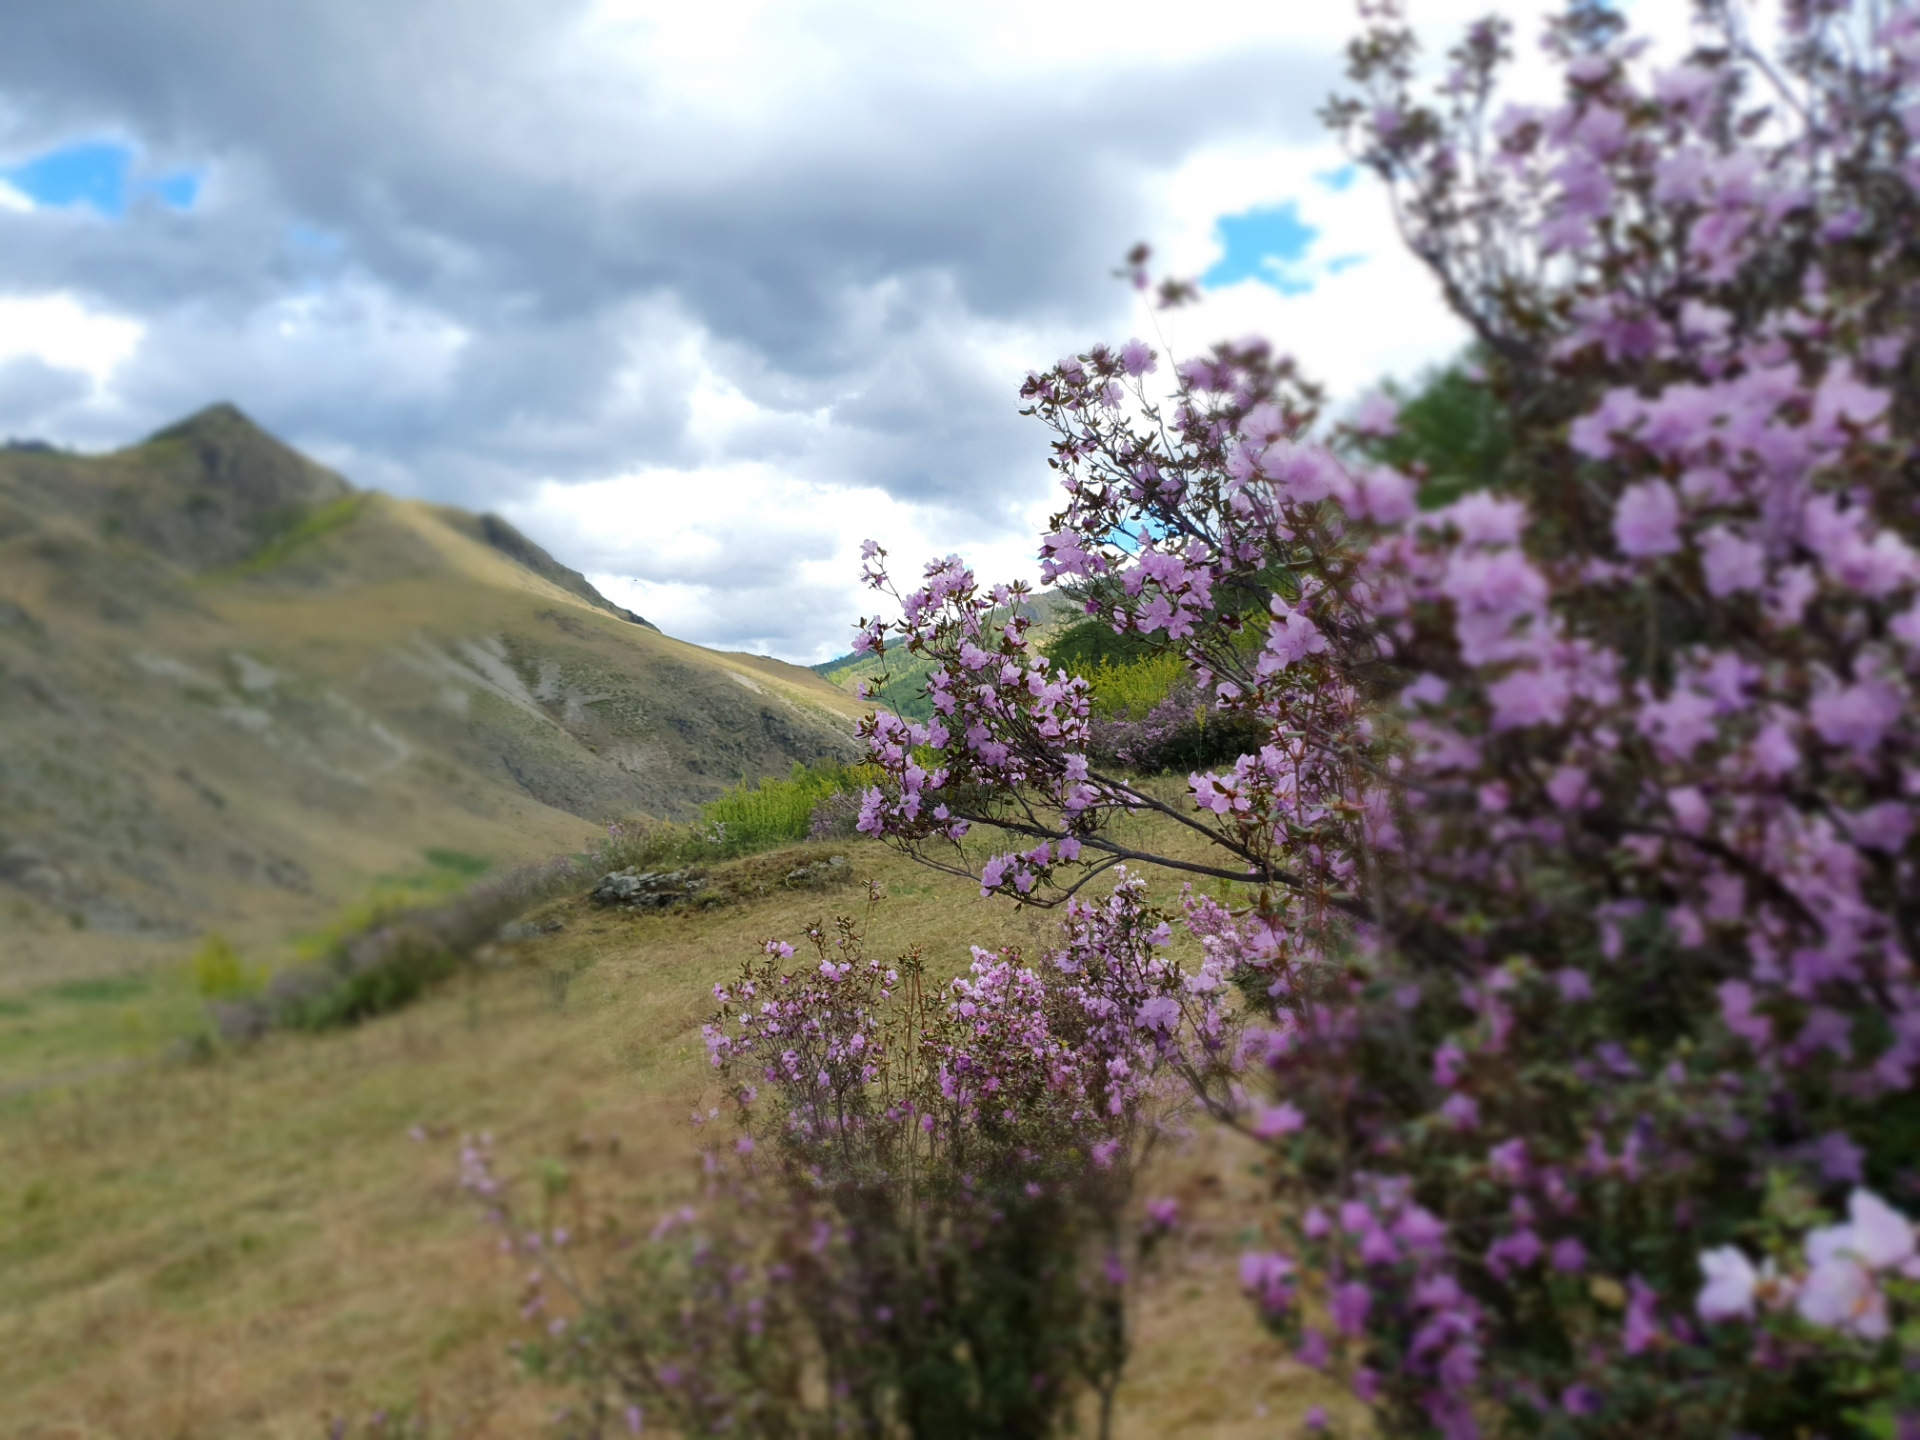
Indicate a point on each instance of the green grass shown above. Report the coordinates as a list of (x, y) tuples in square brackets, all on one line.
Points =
[(744, 821), (83, 1025), (448, 873), (316, 524), (457, 862), (774, 812), (103, 990), (903, 692)]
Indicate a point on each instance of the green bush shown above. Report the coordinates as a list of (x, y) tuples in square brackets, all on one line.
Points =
[(774, 812), (748, 818), (1130, 689), (217, 972), (395, 971), (1084, 646)]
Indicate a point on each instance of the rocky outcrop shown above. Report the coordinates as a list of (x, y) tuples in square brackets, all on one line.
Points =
[(632, 889)]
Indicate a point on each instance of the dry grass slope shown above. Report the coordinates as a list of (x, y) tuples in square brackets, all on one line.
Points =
[(234, 692), (245, 1247)]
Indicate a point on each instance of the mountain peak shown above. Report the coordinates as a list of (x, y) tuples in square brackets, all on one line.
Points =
[(219, 416), (224, 450)]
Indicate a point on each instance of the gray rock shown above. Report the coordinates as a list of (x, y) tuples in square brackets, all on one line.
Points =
[(645, 890), (240, 1021), (820, 872)]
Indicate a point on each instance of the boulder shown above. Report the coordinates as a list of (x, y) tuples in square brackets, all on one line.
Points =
[(634, 889)]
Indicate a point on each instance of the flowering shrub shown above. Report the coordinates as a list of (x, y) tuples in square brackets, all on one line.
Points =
[(922, 1224), (1576, 845), (835, 817), (1178, 732), (1834, 1295)]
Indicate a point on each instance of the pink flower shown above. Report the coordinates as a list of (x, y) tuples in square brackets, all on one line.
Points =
[(1160, 1014), (1731, 1283), (1840, 1294), (1385, 497), (1567, 787), (1272, 1121), (1520, 1250), (1875, 1233), (1268, 1277), (1530, 697), (1462, 1112), (1855, 716), (1646, 520), (1348, 1305), (1730, 564), (1885, 826), (1378, 415), (1642, 1330), (1483, 519)]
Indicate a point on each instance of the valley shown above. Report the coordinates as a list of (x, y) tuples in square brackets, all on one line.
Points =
[(236, 692)]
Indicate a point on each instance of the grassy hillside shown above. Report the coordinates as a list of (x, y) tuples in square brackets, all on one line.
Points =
[(244, 1247), (904, 688), (235, 692), (239, 696)]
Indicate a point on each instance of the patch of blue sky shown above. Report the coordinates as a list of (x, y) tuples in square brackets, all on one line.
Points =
[(1338, 181), (1271, 244), (1265, 244), (98, 174)]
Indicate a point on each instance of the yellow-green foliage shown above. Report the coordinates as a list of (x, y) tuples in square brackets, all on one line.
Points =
[(315, 525), (773, 812), (1131, 688), (904, 692), (217, 972)]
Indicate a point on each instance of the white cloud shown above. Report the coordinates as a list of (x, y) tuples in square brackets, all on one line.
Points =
[(60, 331), (700, 295), (747, 557)]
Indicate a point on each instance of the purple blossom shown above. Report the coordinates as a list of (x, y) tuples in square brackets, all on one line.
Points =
[(1646, 520)]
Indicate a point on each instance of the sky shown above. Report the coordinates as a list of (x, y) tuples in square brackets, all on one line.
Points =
[(698, 296)]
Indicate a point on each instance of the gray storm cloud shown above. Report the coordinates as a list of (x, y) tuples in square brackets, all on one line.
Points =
[(457, 250)]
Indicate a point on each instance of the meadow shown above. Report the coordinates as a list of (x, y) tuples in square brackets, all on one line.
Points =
[(262, 1241)]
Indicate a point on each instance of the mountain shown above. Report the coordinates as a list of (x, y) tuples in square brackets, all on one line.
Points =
[(236, 692), (904, 690)]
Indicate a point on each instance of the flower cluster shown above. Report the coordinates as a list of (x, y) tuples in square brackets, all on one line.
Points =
[(923, 1221), (1841, 1287), (1577, 827)]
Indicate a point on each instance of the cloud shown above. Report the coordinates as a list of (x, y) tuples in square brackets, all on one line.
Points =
[(66, 334), (30, 388), (576, 260)]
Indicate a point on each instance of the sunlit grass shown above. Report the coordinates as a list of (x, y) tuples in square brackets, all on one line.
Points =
[(240, 1246)]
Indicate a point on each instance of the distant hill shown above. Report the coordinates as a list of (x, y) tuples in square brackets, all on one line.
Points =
[(904, 690), (235, 691)]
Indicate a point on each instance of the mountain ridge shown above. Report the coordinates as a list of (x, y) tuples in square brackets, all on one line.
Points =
[(236, 690)]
